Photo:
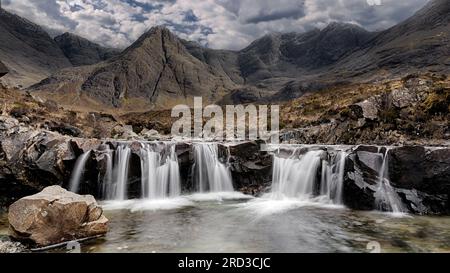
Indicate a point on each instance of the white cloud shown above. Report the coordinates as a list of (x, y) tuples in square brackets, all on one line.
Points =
[(227, 24)]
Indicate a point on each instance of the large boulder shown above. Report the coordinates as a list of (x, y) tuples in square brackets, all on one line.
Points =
[(419, 176), (402, 98), (250, 168), (54, 216), (368, 109), (360, 179)]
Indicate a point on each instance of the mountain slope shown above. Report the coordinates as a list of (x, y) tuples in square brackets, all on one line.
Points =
[(160, 70), (27, 50), (3, 70), (420, 42), (81, 51), (156, 71), (293, 54)]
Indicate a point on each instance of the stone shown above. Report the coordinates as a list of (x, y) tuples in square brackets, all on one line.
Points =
[(125, 132), (359, 183), (406, 166), (54, 216), (402, 98), (150, 134), (6, 246), (63, 128), (369, 108)]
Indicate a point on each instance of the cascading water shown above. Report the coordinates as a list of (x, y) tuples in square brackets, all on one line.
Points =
[(332, 178), (78, 172), (159, 178), (385, 197), (210, 174), (297, 177), (108, 176), (118, 189)]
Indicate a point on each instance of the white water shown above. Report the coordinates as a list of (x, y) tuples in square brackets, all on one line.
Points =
[(385, 197), (118, 189), (78, 172), (108, 177), (309, 178), (159, 178), (332, 178), (210, 174), (295, 177)]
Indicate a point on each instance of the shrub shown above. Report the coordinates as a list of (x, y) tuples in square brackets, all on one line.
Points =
[(19, 110)]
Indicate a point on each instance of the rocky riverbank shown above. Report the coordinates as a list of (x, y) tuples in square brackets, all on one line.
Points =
[(32, 159)]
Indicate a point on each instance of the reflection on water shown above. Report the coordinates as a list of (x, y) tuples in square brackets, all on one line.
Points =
[(221, 224)]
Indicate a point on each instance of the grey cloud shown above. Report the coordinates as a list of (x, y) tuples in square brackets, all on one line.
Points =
[(227, 24)]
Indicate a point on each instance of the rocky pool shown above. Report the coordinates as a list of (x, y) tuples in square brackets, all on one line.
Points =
[(238, 223)]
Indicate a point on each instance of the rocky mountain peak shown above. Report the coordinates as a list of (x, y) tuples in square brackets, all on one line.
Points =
[(28, 51), (81, 51)]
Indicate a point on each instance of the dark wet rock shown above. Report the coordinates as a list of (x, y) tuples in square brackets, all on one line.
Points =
[(359, 184), (54, 216), (420, 177), (63, 128), (250, 168), (406, 168), (418, 202)]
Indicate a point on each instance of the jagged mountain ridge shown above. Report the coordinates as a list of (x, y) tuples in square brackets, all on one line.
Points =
[(27, 50), (155, 71), (81, 51), (419, 44), (161, 70)]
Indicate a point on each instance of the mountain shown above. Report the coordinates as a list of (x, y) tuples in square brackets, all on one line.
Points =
[(81, 51), (421, 42), (156, 71), (28, 51), (293, 54), (160, 70)]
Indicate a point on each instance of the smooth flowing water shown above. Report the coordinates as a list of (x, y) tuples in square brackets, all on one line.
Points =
[(210, 174), (303, 211), (78, 172), (239, 226), (296, 177), (386, 198), (160, 177), (118, 191)]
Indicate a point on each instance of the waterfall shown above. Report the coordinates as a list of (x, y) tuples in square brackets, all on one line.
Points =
[(332, 178), (386, 198), (210, 174), (78, 172), (295, 177), (118, 191), (108, 176), (309, 177), (159, 178)]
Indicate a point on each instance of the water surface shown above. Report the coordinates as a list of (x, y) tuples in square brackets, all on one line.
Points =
[(230, 223)]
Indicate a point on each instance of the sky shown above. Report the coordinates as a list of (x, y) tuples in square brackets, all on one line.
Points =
[(218, 24)]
